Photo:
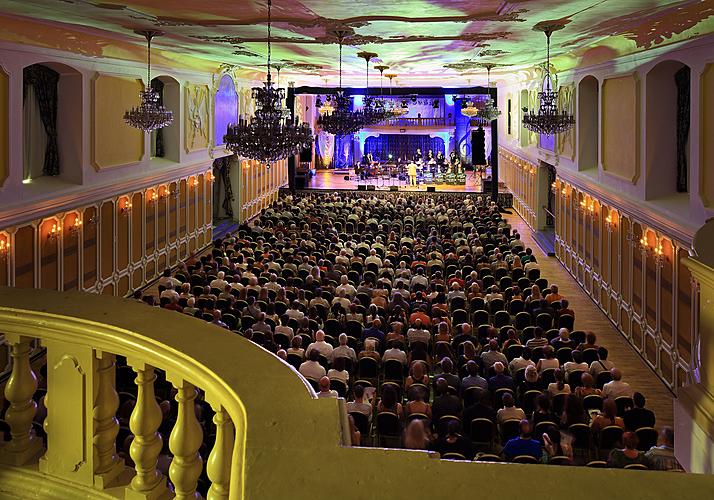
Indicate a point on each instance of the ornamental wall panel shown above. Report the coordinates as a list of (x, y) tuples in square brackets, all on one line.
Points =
[(4, 126), (620, 127)]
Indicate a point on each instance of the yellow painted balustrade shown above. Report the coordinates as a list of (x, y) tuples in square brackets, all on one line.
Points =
[(274, 439)]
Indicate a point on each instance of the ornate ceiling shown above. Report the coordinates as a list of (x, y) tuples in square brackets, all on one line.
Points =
[(426, 42)]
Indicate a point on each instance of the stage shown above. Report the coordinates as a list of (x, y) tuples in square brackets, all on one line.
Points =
[(348, 180)]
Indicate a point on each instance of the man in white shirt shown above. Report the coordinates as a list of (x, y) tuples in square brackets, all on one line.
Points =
[(343, 350), (342, 300), (601, 365), (347, 288), (325, 391), (419, 279), (312, 368), (170, 292), (395, 352), (284, 328), (219, 282), (617, 387), (373, 259), (273, 283), (509, 410), (522, 361), (320, 345), (167, 278), (294, 312), (418, 334)]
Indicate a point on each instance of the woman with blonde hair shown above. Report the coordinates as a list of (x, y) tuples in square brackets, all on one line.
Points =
[(417, 436)]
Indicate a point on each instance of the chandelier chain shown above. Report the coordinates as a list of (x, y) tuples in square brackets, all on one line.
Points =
[(270, 3)]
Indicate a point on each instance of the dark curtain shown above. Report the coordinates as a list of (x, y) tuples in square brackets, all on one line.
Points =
[(681, 78), (478, 146), (222, 170), (402, 146), (45, 80), (160, 149)]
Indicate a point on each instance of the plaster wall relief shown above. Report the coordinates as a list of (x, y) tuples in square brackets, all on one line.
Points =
[(566, 141), (197, 124)]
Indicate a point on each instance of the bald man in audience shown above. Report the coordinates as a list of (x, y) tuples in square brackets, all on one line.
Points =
[(319, 345), (325, 391), (617, 388)]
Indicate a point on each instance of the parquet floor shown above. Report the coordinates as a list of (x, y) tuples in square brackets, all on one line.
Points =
[(589, 317)]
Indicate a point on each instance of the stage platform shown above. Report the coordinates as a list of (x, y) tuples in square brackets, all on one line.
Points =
[(342, 180), (331, 179)]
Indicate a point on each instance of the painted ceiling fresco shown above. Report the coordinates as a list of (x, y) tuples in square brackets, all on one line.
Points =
[(425, 42)]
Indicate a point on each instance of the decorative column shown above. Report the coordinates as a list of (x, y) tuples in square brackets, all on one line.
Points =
[(23, 447), (148, 483), (219, 460), (107, 465), (186, 438), (694, 406)]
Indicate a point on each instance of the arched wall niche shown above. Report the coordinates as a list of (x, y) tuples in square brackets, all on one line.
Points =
[(588, 123), (166, 142), (225, 108)]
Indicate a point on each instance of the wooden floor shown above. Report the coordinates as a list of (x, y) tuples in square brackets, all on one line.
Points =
[(329, 179), (589, 317)]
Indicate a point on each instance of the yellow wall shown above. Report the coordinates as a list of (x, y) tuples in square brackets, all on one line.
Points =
[(114, 143), (706, 131), (620, 127), (259, 186), (4, 129), (520, 177)]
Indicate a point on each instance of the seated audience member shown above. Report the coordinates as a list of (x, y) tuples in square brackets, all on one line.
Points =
[(320, 345), (169, 293), (325, 391), (587, 386), (639, 416), (296, 347), (445, 403), (590, 342), (343, 350), (173, 305), (629, 455), (553, 295), (374, 331), (602, 364), (547, 362), (500, 380), (538, 339), (284, 328), (542, 307), (417, 374), (338, 371), (531, 382), (390, 403), (577, 364), (563, 340), (565, 309), (217, 319), (573, 412), (359, 403), (369, 351), (417, 436), (417, 333), (559, 386), (447, 373), (493, 355), (522, 361), (543, 411), (355, 435), (312, 368), (608, 416), (555, 446), (662, 457), (454, 442), (616, 387), (190, 308), (473, 379), (418, 403), (394, 352), (509, 411), (481, 408), (261, 326), (524, 444)]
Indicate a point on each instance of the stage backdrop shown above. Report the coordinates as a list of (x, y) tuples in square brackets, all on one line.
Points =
[(402, 146)]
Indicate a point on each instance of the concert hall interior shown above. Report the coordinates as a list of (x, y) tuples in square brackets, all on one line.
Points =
[(402, 249)]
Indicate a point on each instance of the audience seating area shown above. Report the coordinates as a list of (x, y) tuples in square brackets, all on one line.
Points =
[(432, 319)]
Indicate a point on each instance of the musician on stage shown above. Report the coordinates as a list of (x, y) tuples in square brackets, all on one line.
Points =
[(440, 160), (418, 156), (412, 171)]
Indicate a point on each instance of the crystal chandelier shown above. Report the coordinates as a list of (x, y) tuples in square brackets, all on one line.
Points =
[(489, 112), (342, 121), (150, 115), (469, 109), (549, 119), (270, 135), (374, 113)]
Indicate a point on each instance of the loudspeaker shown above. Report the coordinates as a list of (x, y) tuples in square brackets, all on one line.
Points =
[(300, 182), (371, 187), (478, 146), (361, 187), (306, 154), (431, 189), (394, 188), (346, 177)]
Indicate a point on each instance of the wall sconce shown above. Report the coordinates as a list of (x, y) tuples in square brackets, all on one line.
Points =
[(582, 207), (92, 221), (634, 242), (54, 232), (659, 256), (4, 248), (153, 197), (564, 192), (75, 228), (609, 223), (126, 209), (591, 209), (209, 177), (164, 193), (193, 183)]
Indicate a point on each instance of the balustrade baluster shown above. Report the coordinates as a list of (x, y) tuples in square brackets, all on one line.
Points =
[(23, 447), (219, 461), (145, 449), (107, 465), (184, 442)]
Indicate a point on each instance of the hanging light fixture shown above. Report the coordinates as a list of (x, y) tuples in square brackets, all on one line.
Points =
[(342, 120), (149, 115), (270, 135), (380, 102), (396, 109), (326, 105), (489, 112), (549, 119), (468, 106), (374, 113)]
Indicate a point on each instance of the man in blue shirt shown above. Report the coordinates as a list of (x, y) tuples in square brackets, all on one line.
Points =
[(375, 332), (523, 444)]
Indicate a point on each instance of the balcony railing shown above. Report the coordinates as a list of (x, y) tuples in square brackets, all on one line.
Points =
[(416, 122), (273, 437)]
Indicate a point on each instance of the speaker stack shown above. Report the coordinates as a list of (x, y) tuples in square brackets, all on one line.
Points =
[(431, 189), (361, 187)]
